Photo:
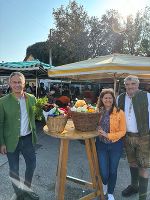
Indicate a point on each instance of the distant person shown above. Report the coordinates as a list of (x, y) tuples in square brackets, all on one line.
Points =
[(28, 88), (77, 92), (50, 96), (72, 92), (17, 134), (136, 104), (41, 90), (66, 91), (33, 88), (109, 143)]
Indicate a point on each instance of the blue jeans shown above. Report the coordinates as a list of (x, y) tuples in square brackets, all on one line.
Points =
[(25, 147), (108, 157)]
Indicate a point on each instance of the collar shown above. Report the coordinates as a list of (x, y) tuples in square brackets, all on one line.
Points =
[(133, 95), (24, 95)]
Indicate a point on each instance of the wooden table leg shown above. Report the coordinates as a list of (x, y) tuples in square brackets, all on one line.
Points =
[(90, 160), (98, 177), (62, 170), (94, 170)]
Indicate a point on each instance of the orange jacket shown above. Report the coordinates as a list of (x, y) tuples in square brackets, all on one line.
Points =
[(117, 125)]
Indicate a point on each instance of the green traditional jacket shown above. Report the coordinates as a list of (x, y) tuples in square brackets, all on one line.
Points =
[(10, 117)]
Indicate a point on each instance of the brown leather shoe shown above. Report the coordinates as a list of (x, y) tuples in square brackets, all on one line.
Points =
[(130, 190)]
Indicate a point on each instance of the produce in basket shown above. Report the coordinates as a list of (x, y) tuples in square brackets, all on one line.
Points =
[(81, 106), (53, 110), (56, 118), (85, 117)]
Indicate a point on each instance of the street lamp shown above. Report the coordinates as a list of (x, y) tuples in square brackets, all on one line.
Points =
[(50, 50)]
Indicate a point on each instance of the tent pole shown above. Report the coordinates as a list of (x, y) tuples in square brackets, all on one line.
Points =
[(70, 89), (36, 85), (61, 87), (115, 83), (50, 50)]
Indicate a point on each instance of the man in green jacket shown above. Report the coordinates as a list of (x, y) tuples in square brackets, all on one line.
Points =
[(17, 134)]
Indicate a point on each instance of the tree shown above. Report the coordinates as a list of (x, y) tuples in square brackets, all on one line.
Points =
[(112, 39), (145, 36), (70, 38), (77, 36), (132, 34), (39, 51), (95, 37)]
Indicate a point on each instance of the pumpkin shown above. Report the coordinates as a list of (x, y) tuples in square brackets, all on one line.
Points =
[(91, 110)]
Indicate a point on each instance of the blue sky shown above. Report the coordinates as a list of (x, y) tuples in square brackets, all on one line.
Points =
[(25, 22)]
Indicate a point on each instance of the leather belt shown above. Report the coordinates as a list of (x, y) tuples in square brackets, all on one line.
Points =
[(23, 137)]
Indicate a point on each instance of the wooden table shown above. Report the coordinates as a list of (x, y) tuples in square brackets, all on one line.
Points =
[(89, 137)]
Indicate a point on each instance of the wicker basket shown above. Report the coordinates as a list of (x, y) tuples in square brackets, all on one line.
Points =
[(56, 124), (85, 121)]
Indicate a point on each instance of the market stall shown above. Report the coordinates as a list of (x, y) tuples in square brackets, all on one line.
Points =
[(31, 69), (112, 66)]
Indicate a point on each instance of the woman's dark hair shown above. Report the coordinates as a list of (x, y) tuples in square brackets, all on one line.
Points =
[(100, 105)]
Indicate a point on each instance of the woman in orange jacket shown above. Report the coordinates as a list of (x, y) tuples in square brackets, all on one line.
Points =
[(109, 143)]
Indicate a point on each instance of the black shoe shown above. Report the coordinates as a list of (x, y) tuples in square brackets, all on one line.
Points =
[(130, 190), (20, 197), (15, 197), (31, 195)]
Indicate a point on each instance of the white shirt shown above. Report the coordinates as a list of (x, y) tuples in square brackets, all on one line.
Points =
[(25, 129), (130, 115)]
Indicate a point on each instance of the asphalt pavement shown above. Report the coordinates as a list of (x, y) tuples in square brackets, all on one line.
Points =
[(45, 174)]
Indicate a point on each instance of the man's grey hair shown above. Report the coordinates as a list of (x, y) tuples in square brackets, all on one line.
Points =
[(16, 74), (131, 78)]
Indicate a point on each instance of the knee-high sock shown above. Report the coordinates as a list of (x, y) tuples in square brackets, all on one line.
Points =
[(143, 184), (134, 176)]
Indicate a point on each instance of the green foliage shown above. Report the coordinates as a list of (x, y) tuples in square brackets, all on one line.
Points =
[(40, 51), (70, 38), (38, 108), (77, 36)]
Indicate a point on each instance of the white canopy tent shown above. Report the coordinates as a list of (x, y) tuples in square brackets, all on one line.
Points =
[(111, 66)]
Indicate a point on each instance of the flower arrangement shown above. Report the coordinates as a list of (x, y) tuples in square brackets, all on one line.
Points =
[(82, 106)]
